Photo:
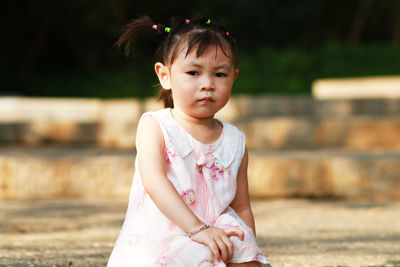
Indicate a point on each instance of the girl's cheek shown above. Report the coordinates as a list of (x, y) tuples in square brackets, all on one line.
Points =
[(225, 94)]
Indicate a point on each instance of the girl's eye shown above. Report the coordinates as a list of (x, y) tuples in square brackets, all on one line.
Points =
[(193, 73), (220, 74)]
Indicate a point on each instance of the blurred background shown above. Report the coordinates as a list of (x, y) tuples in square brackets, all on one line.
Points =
[(65, 48), (318, 97)]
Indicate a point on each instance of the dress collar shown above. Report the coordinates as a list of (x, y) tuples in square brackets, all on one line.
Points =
[(224, 149)]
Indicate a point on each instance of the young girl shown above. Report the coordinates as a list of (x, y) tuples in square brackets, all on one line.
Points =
[(189, 203)]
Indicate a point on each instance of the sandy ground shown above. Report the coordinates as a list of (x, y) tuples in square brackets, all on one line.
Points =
[(295, 232)]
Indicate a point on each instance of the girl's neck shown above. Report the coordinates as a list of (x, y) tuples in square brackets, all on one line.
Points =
[(187, 119), (206, 130)]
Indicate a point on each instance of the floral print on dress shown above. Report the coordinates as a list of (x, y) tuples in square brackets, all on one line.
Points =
[(218, 172), (209, 161), (134, 239), (141, 200), (188, 196), (169, 155), (207, 263), (162, 261)]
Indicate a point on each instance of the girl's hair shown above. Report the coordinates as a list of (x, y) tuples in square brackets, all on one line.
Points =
[(198, 33)]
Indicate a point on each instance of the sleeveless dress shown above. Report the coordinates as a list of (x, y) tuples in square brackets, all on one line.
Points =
[(205, 177)]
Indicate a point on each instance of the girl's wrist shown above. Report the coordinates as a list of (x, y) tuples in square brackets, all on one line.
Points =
[(198, 229)]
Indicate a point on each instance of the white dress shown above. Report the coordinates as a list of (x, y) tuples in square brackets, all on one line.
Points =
[(205, 177)]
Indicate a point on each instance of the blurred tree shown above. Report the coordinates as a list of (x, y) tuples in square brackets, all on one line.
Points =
[(396, 31), (79, 34), (35, 46), (359, 20), (50, 37)]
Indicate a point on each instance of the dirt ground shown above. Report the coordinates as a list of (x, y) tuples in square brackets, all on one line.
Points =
[(294, 232)]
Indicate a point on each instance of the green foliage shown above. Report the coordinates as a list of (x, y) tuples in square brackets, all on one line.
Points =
[(125, 82), (264, 70), (291, 71), (65, 48)]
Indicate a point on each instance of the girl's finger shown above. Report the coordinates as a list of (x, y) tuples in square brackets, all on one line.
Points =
[(229, 246), (214, 250), (223, 249), (233, 231)]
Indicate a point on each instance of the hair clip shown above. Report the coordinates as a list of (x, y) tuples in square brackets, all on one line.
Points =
[(187, 21), (167, 29), (155, 26), (208, 21)]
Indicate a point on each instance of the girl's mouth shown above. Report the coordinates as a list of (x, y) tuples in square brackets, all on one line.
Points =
[(206, 100)]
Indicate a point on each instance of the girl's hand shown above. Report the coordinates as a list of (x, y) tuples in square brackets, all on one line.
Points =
[(218, 241)]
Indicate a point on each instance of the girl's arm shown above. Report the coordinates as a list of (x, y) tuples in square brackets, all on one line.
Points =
[(241, 202), (150, 153)]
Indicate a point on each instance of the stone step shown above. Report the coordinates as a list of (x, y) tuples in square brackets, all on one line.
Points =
[(112, 123), (289, 132), (373, 174), (74, 172), (244, 107), (284, 132), (357, 87), (57, 172)]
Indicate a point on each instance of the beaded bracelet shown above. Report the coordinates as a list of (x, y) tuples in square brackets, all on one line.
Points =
[(198, 229)]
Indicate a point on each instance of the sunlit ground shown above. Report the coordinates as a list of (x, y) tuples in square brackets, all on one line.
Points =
[(296, 232)]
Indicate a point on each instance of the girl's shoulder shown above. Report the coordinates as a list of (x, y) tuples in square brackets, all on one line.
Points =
[(149, 137), (161, 116)]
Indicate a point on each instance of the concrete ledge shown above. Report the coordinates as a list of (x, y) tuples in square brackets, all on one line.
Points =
[(344, 174), (247, 107), (343, 108), (95, 173), (65, 172), (112, 123), (357, 132), (118, 121), (368, 87)]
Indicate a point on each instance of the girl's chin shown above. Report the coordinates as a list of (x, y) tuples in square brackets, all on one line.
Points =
[(201, 111), (202, 114)]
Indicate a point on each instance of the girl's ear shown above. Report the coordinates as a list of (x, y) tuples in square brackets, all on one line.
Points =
[(163, 75), (235, 73)]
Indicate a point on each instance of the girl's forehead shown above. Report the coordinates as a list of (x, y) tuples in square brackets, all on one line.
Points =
[(212, 52)]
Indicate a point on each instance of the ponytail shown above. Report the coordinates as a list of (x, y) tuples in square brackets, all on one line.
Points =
[(132, 28)]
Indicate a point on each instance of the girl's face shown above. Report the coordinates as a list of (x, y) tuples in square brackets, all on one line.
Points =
[(200, 86)]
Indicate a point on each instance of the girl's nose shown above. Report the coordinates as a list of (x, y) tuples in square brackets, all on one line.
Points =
[(207, 84)]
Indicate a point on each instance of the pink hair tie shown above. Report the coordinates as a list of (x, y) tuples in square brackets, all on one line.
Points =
[(187, 21), (155, 27), (227, 33)]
